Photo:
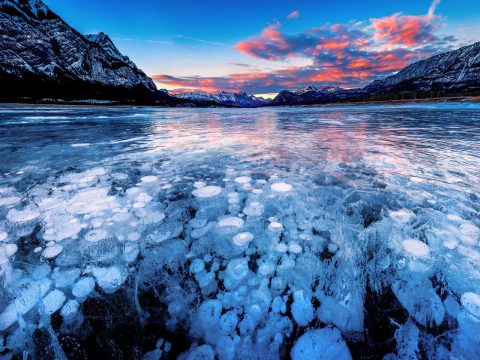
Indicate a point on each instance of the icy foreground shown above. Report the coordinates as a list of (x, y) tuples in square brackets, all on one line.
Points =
[(240, 234)]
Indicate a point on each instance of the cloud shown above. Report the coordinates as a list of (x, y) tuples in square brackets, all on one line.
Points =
[(399, 29), (293, 15), (348, 55), (432, 8)]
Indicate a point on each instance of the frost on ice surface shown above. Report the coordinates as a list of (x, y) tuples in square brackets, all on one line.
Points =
[(205, 253)]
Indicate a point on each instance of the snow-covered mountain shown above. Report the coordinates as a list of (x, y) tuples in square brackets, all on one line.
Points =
[(448, 74), (225, 98), (42, 56), (452, 72), (315, 95), (310, 88)]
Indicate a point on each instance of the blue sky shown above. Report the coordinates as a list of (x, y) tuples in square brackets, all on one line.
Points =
[(195, 40)]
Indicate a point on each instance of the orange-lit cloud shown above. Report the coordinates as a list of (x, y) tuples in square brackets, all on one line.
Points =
[(399, 29)]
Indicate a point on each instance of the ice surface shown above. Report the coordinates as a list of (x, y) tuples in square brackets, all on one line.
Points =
[(286, 239)]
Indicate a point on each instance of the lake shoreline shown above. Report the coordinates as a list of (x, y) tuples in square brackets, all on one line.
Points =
[(101, 103)]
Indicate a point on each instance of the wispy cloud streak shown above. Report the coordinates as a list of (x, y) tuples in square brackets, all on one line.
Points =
[(203, 40)]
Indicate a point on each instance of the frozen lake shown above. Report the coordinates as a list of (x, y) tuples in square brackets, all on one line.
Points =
[(339, 232)]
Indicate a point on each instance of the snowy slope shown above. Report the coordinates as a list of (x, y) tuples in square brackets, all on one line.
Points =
[(457, 70)]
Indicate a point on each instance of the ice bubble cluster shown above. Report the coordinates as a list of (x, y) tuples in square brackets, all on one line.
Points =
[(256, 265)]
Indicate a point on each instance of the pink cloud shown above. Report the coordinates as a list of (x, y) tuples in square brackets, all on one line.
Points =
[(399, 29), (293, 15)]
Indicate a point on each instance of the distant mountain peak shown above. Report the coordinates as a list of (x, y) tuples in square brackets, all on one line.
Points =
[(311, 88), (106, 43), (237, 99)]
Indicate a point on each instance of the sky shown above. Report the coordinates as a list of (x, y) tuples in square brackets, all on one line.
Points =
[(264, 46)]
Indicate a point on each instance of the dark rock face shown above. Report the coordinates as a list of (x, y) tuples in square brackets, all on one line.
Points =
[(41, 56)]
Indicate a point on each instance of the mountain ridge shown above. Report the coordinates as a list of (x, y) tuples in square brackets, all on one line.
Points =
[(42, 57), (240, 99), (452, 73)]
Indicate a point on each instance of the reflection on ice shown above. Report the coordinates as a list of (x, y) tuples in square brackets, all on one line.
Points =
[(311, 233)]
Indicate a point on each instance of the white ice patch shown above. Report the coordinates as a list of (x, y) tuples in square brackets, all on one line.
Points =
[(52, 251), (53, 301), (197, 265), (199, 184), (96, 235), (281, 187), (416, 248), (149, 179), (294, 248), (92, 201), (8, 317), (84, 287), (401, 216), (109, 278), (231, 221), (207, 191), (275, 226), (243, 180), (8, 249), (302, 308), (80, 145), (243, 239), (10, 200), (70, 309), (471, 302), (19, 216)]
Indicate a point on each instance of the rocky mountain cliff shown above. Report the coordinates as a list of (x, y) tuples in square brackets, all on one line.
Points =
[(41, 56)]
